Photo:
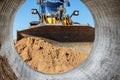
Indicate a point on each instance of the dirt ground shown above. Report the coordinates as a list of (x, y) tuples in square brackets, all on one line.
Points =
[(47, 58)]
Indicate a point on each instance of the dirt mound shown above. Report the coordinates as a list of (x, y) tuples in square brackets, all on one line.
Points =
[(44, 57)]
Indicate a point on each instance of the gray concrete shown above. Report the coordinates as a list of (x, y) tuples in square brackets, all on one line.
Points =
[(104, 60)]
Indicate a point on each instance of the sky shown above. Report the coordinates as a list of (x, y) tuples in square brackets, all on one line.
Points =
[(24, 17)]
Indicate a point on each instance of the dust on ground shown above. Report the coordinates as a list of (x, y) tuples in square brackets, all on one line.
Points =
[(44, 57)]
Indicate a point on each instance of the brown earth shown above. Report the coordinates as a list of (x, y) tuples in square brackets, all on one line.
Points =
[(44, 57), (6, 73)]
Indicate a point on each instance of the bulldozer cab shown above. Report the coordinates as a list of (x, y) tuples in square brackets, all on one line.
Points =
[(53, 12), (49, 8)]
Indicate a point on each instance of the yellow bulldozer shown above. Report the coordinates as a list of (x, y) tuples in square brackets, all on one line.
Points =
[(55, 25)]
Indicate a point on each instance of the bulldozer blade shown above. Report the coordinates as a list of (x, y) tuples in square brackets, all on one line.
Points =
[(62, 36)]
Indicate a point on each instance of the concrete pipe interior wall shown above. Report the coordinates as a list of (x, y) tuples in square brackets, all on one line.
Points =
[(103, 62)]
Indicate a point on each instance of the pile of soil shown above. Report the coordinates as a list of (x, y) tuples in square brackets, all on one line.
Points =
[(44, 57)]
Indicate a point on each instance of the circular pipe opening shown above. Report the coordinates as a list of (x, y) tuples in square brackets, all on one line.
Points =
[(103, 62), (49, 56)]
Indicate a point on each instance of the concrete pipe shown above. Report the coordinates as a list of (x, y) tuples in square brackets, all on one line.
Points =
[(103, 62)]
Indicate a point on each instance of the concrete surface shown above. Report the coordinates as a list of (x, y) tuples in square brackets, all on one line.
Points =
[(104, 60)]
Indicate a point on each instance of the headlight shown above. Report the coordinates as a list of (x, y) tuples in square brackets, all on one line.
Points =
[(34, 11), (76, 13)]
